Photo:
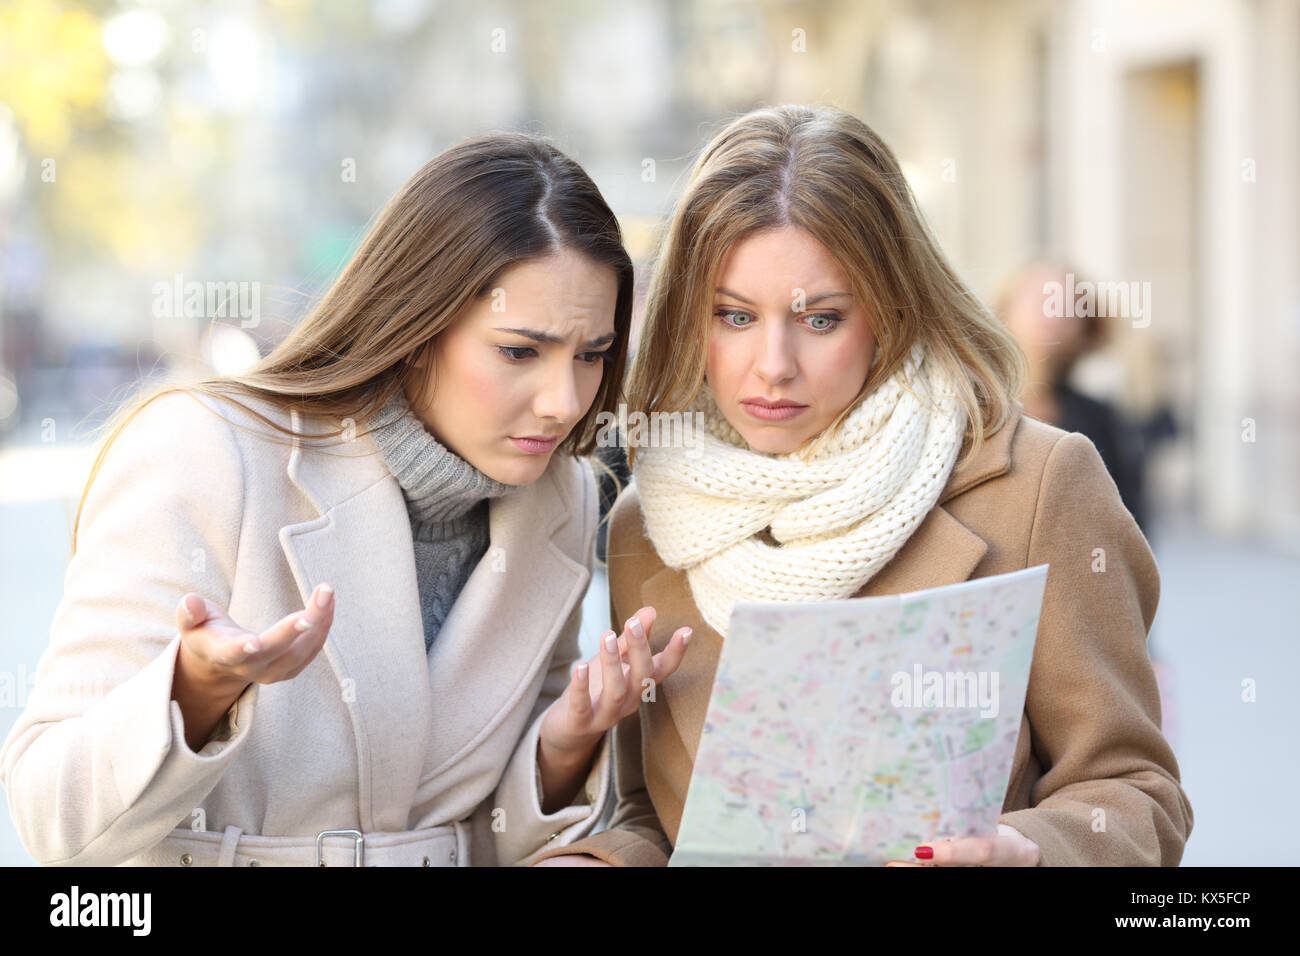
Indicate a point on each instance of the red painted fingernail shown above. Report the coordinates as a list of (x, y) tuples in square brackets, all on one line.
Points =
[(924, 852)]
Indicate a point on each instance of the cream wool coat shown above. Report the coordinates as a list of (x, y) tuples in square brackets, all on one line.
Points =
[(372, 735)]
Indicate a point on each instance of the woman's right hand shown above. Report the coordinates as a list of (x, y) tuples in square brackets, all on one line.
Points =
[(217, 652), (218, 659)]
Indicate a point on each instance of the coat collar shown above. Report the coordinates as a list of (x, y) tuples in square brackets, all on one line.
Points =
[(408, 709), (993, 458), (940, 551)]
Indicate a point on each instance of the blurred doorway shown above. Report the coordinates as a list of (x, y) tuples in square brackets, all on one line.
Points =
[(1159, 243)]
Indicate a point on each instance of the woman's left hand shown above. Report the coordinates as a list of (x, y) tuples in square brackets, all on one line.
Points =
[(1009, 848), (610, 686)]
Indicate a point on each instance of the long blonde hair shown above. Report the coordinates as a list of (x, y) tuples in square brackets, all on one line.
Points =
[(827, 172), (437, 246)]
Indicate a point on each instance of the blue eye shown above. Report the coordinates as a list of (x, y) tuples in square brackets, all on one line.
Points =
[(832, 320), (724, 313)]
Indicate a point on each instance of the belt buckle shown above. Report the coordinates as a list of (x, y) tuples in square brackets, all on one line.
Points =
[(358, 839)]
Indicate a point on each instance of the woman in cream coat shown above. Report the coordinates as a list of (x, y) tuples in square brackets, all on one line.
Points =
[(237, 672), (801, 268)]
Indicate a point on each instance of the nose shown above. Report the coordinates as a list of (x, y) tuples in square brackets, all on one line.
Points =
[(775, 362), (558, 398)]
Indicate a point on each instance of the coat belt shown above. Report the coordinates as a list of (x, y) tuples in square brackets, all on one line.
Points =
[(446, 845)]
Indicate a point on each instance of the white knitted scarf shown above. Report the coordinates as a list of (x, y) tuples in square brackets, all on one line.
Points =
[(839, 512)]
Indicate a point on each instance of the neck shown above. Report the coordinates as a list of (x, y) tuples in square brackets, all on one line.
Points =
[(438, 484)]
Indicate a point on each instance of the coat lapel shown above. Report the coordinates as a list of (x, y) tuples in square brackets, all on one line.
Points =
[(504, 625), (940, 551), (375, 645), (410, 711)]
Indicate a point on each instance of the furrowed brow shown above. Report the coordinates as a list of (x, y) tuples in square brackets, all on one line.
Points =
[(548, 338), (734, 295)]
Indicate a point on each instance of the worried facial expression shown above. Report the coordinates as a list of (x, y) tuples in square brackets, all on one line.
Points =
[(790, 345), (514, 374)]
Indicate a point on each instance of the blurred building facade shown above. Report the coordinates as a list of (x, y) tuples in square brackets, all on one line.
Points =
[(1148, 141)]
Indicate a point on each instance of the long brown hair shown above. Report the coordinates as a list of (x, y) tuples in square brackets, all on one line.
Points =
[(827, 172), (438, 245)]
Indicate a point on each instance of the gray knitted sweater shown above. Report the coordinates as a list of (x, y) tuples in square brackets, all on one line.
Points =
[(447, 501)]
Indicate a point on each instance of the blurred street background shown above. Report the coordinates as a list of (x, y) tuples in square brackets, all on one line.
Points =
[(1152, 145)]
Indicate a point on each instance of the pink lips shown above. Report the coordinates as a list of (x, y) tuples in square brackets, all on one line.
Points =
[(775, 412), (536, 444)]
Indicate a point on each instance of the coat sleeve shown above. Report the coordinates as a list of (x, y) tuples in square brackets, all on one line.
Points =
[(97, 768), (634, 836), (523, 828), (1110, 791)]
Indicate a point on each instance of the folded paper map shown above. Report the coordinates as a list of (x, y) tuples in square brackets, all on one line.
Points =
[(847, 732)]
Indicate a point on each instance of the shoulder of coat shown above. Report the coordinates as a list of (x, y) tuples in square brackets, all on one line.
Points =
[(1033, 442), (202, 428), (1037, 445), (1014, 455), (1038, 442), (193, 407), (176, 433), (180, 416)]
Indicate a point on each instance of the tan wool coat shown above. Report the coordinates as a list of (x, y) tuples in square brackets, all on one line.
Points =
[(374, 735), (1093, 781)]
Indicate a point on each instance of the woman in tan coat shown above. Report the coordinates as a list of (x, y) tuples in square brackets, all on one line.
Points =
[(861, 437), (325, 612)]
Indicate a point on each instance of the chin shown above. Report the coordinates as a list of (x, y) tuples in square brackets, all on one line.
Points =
[(769, 441), (521, 472)]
